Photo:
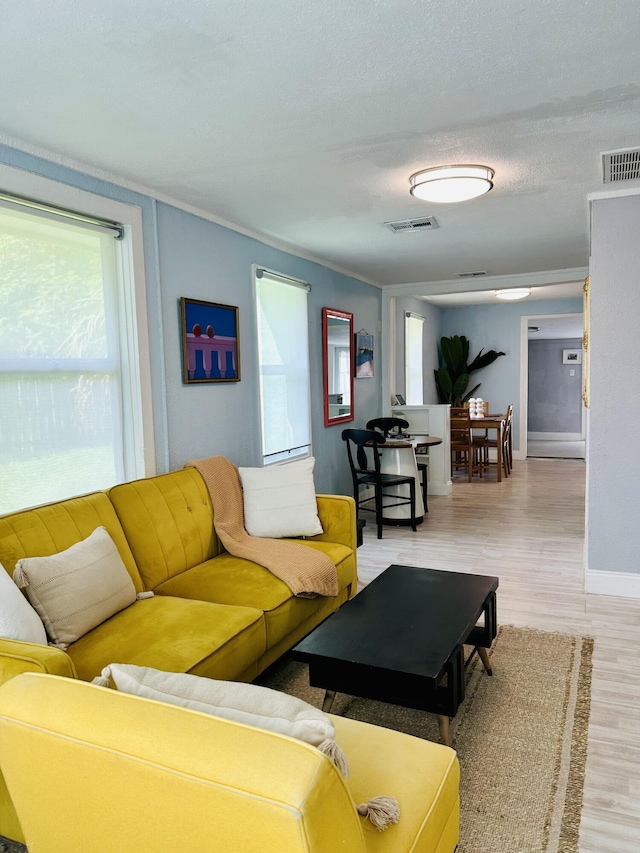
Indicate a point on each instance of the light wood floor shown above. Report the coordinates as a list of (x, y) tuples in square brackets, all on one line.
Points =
[(529, 531)]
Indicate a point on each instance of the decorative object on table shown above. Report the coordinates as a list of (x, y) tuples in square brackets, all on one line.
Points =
[(452, 377), (572, 356), (338, 366), (210, 342), (476, 408), (364, 355)]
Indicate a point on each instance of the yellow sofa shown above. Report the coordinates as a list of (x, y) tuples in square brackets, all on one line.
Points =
[(211, 614), (91, 769)]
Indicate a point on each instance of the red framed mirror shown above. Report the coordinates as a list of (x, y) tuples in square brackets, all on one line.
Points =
[(338, 366)]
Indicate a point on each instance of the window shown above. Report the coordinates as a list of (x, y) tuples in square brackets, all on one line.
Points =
[(413, 325), (283, 355), (70, 391)]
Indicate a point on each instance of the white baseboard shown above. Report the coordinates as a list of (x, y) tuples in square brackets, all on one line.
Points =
[(621, 584), (554, 436)]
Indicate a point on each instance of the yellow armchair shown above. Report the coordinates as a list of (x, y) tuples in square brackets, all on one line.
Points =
[(92, 769)]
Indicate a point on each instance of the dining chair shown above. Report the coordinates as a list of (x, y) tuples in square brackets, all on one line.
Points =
[(463, 453), (364, 461), (483, 444), (393, 428)]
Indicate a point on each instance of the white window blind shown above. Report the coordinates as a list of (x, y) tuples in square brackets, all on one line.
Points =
[(66, 416), (413, 326), (283, 354)]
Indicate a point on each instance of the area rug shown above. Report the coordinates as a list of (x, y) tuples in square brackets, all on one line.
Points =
[(521, 737)]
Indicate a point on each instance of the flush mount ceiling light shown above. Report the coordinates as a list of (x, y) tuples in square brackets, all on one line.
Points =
[(513, 293), (448, 184)]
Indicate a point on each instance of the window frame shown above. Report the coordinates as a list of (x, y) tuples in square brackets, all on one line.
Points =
[(409, 315), (293, 282), (139, 457)]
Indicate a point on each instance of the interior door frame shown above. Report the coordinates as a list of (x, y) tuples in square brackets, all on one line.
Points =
[(524, 377)]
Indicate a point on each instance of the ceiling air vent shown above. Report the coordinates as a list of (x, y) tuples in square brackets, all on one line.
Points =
[(475, 274), (425, 223), (623, 165)]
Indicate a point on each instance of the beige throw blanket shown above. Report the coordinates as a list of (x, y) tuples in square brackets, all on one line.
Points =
[(306, 572)]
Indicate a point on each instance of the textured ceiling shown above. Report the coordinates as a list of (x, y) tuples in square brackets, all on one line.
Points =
[(302, 122)]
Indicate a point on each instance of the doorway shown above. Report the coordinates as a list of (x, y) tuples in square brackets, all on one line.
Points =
[(553, 416)]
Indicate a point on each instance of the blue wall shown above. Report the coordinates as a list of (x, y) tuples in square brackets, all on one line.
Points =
[(498, 327), (186, 255)]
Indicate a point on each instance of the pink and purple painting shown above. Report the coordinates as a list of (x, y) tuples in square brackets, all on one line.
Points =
[(210, 342)]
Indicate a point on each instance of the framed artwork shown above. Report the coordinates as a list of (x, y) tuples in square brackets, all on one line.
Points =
[(210, 342), (364, 354), (572, 356)]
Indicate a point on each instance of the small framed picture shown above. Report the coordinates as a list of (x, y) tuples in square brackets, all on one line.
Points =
[(210, 342), (572, 356), (364, 355)]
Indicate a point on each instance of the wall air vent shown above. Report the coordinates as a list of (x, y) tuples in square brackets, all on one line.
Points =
[(425, 223), (622, 165), (475, 274)]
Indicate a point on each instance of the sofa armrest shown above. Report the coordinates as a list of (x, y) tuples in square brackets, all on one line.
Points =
[(17, 657), (337, 515)]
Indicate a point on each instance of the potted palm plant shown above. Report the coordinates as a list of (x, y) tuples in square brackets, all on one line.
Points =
[(452, 377)]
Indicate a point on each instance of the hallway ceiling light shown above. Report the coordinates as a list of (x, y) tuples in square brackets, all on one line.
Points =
[(448, 184), (513, 293)]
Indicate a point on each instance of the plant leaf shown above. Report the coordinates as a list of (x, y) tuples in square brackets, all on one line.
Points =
[(448, 352), (465, 351), (459, 388), (470, 394), (443, 384), (483, 360)]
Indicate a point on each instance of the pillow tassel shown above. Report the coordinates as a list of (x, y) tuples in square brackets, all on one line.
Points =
[(104, 679), (331, 749), (381, 811), (141, 595), (20, 576)]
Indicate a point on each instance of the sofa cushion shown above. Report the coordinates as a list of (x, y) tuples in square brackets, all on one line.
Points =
[(232, 580), (175, 634), (78, 588), (280, 500), (18, 619), (52, 528), (168, 521), (423, 776), (249, 704)]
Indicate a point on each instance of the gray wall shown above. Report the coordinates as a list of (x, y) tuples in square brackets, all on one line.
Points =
[(430, 339), (498, 327), (613, 486), (555, 397), (186, 255)]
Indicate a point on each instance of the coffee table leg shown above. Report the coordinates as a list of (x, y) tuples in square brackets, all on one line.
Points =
[(443, 726), (484, 657), (327, 702)]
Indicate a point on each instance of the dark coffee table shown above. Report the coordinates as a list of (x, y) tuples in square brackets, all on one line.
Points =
[(401, 640)]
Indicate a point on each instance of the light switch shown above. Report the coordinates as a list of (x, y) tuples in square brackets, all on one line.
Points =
[(572, 372)]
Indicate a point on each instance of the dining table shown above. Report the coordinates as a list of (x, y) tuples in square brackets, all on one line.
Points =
[(492, 422), (399, 457)]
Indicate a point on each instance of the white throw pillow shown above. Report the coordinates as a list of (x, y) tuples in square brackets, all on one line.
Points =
[(18, 619), (280, 500), (250, 704), (77, 589)]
